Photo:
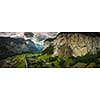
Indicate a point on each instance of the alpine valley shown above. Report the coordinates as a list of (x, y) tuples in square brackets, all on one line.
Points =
[(49, 49)]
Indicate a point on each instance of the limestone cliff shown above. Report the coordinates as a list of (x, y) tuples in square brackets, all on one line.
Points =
[(74, 43)]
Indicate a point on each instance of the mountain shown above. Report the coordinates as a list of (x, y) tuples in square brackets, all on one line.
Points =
[(73, 44), (14, 46), (37, 37), (13, 43), (62, 50)]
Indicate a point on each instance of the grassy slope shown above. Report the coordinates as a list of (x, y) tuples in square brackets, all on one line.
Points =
[(47, 61)]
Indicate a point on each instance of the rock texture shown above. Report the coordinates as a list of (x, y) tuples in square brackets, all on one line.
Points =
[(74, 44)]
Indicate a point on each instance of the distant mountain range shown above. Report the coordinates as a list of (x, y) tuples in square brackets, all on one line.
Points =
[(12, 43)]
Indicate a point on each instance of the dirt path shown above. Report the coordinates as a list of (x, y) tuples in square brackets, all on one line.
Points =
[(26, 63)]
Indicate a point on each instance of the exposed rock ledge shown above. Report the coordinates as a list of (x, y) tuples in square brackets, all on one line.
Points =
[(74, 44)]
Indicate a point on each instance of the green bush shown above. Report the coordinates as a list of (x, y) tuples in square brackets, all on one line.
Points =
[(49, 50), (79, 65)]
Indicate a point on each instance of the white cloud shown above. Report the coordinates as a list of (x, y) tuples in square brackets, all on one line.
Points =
[(38, 37)]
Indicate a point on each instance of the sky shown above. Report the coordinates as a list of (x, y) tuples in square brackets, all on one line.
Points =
[(38, 37), (21, 34)]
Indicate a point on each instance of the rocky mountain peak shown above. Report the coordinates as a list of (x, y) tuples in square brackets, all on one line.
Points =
[(74, 43)]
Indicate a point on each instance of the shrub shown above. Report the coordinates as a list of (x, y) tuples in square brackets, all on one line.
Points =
[(48, 50)]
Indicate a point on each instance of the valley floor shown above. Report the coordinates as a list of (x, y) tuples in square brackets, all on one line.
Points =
[(47, 61)]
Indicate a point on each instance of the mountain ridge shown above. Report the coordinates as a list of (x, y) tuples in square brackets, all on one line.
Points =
[(74, 43), (14, 46)]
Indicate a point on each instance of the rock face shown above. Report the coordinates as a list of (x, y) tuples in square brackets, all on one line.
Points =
[(74, 44)]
